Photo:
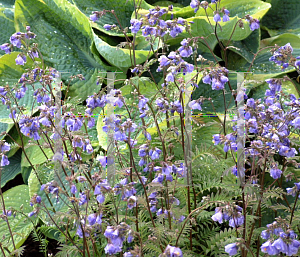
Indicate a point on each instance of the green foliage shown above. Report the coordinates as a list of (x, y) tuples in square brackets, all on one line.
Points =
[(12, 170), (65, 43), (283, 17), (16, 198)]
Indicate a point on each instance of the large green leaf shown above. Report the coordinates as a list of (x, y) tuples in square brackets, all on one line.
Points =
[(123, 10), (256, 8), (7, 22), (20, 225), (13, 169), (248, 47), (35, 155), (120, 57), (46, 174), (257, 86), (262, 65), (281, 40), (283, 17), (64, 36), (201, 27)]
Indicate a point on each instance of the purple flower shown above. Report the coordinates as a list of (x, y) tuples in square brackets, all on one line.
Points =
[(286, 151), (92, 219), (107, 27), (268, 248), (131, 202), (4, 147), (195, 105), (4, 161), (254, 23), (217, 84), (154, 154), (265, 234), (296, 123), (21, 59), (100, 198), (173, 251), (217, 17), (175, 30), (195, 5), (15, 39), (275, 173), (185, 50), (280, 245), (207, 79), (236, 221), (6, 47), (94, 17), (82, 199), (218, 216), (7, 213), (170, 77), (135, 25), (163, 60), (112, 249), (231, 249), (226, 15), (234, 171), (216, 139), (293, 248), (73, 189), (81, 179)]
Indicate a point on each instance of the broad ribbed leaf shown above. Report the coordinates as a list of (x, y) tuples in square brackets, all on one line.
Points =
[(119, 57), (262, 65), (123, 10), (7, 25), (248, 47), (256, 8), (13, 169), (283, 17), (20, 225), (64, 37)]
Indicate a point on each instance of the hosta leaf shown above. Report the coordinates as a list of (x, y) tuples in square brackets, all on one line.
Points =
[(248, 47), (283, 17), (20, 225), (7, 22), (13, 169), (64, 36), (262, 65), (120, 57), (123, 10), (256, 8)]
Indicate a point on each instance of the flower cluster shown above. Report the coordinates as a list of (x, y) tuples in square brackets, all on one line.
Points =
[(281, 239), (17, 39), (217, 17), (229, 141), (254, 23), (233, 214), (217, 78), (29, 126), (282, 56), (174, 62), (116, 236)]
